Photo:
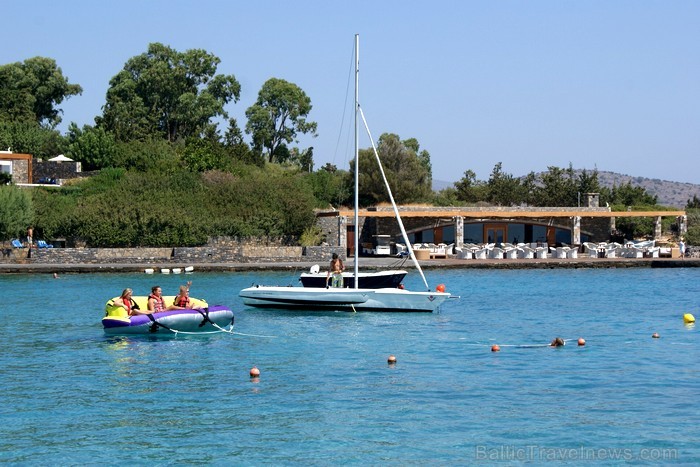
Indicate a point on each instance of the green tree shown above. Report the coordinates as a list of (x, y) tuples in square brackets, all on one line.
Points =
[(503, 188), (30, 91), (278, 116), (93, 147), (237, 149), (557, 187), (408, 177), (529, 185), (31, 138), (151, 155), (16, 211), (331, 188), (206, 154), (588, 182), (446, 197), (693, 204), (168, 94), (423, 155), (629, 195), (469, 189)]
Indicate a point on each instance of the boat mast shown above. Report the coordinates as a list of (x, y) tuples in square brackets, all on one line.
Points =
[(357, 160)]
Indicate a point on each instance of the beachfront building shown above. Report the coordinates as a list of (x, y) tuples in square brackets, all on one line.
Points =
[(17, 165), (553, 226)]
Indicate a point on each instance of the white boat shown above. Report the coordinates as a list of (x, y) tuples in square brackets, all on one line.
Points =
[(315, 299), (355, 298)]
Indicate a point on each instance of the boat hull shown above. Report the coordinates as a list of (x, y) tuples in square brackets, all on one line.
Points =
[(368, 280), (170, 322), (314, 299)]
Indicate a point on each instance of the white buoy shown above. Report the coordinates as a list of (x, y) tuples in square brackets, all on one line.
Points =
[(165, 271), (148, 271), (177, 270), (189, 269)]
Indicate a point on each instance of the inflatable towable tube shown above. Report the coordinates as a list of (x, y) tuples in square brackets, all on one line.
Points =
[(201, 318), (112, 310)]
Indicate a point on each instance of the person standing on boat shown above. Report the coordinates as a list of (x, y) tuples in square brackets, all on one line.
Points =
[(335, 274), (183, 298), (156, 304)]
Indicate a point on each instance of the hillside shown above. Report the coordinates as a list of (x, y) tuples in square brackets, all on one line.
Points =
[(672, 194), (675, 194)]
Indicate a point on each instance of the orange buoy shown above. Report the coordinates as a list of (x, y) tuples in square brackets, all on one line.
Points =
[(495, 348), (440, 288), (581, 341), (401, 286), (391, 360), (254, 372), (655, 335)]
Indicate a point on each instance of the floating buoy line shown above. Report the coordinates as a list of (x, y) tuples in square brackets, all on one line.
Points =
[(497, 347)]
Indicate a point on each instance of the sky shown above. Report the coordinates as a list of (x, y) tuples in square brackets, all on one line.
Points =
[(607, 85)]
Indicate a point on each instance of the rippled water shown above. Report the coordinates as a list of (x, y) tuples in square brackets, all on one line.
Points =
[(326, 393)]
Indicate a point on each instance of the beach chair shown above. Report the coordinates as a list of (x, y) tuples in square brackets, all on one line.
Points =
[(462, 254), (541, 252), (496, 253), (525, 252), (590, 249), (481, 253), (16, 243), (511, 253)]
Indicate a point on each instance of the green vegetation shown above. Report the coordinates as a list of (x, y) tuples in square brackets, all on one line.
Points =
[(16, 212), (165, 174)]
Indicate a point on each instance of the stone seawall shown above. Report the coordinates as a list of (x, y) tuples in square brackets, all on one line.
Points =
[(177, 255)]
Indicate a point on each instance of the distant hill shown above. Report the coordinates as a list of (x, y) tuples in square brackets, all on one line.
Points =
[(672, 194)]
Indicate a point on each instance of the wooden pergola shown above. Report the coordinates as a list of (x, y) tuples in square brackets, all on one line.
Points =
[(572, 215), (501, 214)]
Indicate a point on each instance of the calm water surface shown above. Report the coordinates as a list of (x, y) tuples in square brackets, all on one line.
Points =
[(326, 393)]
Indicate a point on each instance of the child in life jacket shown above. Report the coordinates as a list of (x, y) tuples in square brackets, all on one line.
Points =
[(182, 299), (156, 304)]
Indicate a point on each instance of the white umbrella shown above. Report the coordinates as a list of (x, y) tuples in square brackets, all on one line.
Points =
[(61, 158)]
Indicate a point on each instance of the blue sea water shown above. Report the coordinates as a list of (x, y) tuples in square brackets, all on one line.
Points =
[(326, 394)]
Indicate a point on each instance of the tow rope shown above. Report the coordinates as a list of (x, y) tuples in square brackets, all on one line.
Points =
[(156, 324), (205, 314)]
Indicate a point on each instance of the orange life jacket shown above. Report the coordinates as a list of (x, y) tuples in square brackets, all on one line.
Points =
[(158, 304), (182, 300)]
